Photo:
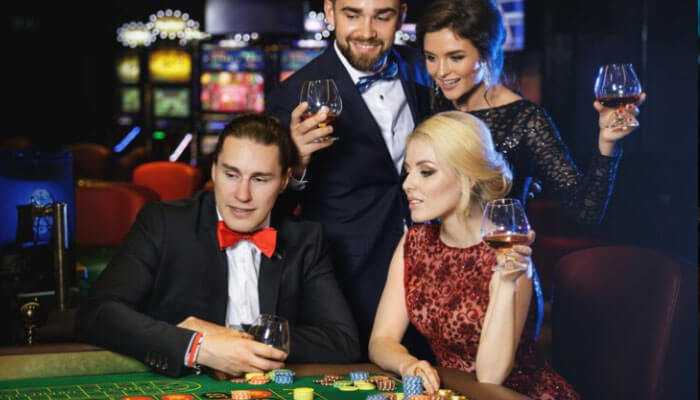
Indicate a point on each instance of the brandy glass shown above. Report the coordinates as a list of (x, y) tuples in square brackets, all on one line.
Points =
[(321, 93), (616, 86), (272, 330), (503, 225)]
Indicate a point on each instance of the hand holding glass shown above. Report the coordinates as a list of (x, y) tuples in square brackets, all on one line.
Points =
[(271, 330), (503, 225), (318, 94), (616, 86)]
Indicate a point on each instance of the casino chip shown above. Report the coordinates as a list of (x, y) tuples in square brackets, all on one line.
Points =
[(250, 375), (238, 380), (444, 394), (412, 386), (364, 385), (328, 380), (177, 396), (259, 380), (259, 394), (283, 376), (359, 375), (216, 395), (303, 393), (240, 395), (383, 383)]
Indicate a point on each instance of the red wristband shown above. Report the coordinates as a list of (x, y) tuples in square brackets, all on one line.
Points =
[(194, 349)]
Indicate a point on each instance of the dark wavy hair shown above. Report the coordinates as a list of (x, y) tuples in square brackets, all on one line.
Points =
[(262, 129), (478, 21)]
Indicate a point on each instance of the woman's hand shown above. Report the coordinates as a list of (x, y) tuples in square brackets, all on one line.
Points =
[(422, 368), (517, 260), (611, 129)]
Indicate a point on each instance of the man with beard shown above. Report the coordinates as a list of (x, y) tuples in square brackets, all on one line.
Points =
[(350, 172)]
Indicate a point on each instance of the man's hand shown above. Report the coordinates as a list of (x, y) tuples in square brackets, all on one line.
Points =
[(209, 328), (230, 353), (308, 137)]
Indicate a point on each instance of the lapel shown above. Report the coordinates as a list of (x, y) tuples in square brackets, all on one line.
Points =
[(216, 275), (270, 277)]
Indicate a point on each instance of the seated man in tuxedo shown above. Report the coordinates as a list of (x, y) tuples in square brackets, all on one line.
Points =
[(189, 269)]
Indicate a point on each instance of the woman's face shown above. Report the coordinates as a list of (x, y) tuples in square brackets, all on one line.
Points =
[(433, 189), (453, 63)]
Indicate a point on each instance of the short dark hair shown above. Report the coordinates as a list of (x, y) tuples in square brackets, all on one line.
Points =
[(262, 129), (478, 21)]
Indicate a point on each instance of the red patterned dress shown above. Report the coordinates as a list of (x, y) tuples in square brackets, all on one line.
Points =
[(447, 293)]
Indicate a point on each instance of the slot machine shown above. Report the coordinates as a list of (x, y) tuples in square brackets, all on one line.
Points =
[(157, 84), (299, 52), (130, 109), (170, 88), (232, 81)]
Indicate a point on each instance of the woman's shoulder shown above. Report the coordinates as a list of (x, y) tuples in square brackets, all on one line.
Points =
[(503, 96)]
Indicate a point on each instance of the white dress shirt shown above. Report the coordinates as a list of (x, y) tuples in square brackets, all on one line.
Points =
[(243, 305), (389, 107)]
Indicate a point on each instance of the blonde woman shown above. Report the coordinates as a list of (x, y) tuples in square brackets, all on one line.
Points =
[(441, 278)]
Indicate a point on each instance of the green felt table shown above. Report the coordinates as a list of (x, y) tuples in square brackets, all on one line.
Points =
[(117, 386), (79, 371)]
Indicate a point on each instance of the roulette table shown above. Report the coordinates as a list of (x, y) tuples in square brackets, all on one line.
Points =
[(82, 372)]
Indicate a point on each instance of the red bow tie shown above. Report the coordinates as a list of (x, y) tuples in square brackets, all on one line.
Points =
[(264, 239)]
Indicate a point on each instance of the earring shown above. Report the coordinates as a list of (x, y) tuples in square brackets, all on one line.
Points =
[(487, 76)]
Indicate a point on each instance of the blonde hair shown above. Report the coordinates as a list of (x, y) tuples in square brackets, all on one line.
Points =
[(463, 142)]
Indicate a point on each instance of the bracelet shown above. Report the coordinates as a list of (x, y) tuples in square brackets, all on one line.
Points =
[(193, 351)]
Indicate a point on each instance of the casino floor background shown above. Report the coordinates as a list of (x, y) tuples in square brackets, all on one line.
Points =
[(62, 89)]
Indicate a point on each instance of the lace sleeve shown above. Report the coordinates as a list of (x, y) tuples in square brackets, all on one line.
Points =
[(583, 197)]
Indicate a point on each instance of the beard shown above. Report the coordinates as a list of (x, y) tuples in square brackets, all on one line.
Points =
[(362, 62)]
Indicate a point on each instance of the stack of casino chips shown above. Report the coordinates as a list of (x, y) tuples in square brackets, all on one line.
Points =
[(359, 376), (383, 383), (240, 395), (283, 376), (328, 379), (257, 378), (376, 396), (412, 386)]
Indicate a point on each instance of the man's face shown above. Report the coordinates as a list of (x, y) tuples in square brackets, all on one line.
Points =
[(364, 29), (247, 179)]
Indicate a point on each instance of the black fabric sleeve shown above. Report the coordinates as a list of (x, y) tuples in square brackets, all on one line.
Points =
[(584, 197), (111, 317)]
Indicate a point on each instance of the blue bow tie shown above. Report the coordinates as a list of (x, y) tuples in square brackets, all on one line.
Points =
[(389, 71)]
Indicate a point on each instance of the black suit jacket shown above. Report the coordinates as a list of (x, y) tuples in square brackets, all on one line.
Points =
[(170, 267), (355, 190)]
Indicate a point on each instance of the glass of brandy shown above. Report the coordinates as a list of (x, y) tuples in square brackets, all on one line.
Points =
[(321, 93), (616, 86), (503, 225), (271, 330)]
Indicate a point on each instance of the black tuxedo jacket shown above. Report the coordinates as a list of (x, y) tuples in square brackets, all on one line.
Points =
[(355, 190), (170, 267)]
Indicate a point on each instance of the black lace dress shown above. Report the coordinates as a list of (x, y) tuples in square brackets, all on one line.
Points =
[(528, 139)]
